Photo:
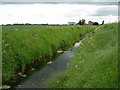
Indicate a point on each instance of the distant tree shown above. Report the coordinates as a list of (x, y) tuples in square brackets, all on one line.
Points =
[(79, 23), (45, 24), (95, 23), (102, 22), (8, 24), (83, 21), (18, 24), (27, 24)]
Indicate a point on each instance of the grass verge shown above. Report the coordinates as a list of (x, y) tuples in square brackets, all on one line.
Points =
[(95, 64)]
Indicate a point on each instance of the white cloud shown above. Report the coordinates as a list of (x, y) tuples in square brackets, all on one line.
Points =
[(59, 0), (105, 0), (53, 13)]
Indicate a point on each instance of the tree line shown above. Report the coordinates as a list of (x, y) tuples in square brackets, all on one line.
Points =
[(83, 22)]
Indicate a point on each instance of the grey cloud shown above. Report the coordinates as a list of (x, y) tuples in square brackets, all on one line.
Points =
[(106, 12), (105, 0), (59, 0)]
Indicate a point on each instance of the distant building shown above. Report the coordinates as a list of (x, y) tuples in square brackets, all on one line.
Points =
[(71, 23), (90, 23)]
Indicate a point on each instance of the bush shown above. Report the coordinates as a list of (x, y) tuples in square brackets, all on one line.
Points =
[(95, 23)]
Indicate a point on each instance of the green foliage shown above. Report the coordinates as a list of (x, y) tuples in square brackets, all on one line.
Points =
[(81, 22), (95, 23), (23, 44), (102, 22), (95, 64)]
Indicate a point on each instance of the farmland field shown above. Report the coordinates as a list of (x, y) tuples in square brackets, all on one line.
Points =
[(95, 64), (22, 45)]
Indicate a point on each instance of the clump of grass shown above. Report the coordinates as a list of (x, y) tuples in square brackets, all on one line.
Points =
[(95, 64), (23, 44)]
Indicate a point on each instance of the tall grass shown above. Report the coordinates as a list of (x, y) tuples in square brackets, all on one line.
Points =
[(23, 44), (95, 64)]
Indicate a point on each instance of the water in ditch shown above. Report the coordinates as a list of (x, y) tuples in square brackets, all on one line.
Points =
[(61, 63)]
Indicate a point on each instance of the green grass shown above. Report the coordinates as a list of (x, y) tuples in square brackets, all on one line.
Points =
[(23, 44), (95, 64)]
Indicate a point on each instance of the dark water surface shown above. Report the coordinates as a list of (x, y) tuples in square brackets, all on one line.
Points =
[(61, 63)]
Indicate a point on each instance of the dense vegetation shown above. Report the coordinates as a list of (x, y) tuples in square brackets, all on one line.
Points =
[(23, 44), (95, 64)]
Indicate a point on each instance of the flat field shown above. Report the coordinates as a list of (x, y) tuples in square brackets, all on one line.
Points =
[(24, 44)]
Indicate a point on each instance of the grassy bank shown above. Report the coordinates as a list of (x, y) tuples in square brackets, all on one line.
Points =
[(24, 44), (95, 63)]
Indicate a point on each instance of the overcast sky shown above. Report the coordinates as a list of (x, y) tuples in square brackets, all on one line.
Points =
[(39, 13), (59, 0)]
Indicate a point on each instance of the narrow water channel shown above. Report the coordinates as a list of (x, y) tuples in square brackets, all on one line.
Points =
[(61, 63)]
